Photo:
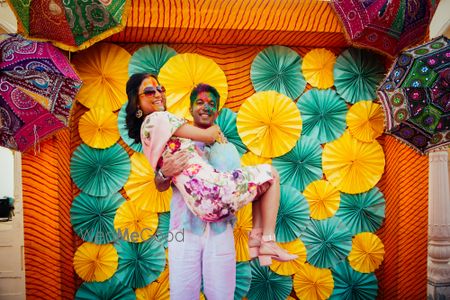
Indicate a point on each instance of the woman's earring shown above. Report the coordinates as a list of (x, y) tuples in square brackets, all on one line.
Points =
[(139, 113)]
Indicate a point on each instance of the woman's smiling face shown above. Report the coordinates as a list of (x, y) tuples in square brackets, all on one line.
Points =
[(152, 96)]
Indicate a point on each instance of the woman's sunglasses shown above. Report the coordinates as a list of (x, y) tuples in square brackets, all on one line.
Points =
[(151, 90)]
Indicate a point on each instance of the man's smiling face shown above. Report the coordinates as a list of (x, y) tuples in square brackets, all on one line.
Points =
[(204, 109)]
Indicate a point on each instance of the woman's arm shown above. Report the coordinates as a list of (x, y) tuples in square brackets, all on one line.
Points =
[(208, 135)]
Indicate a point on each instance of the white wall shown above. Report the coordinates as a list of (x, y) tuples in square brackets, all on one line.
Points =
[(6, 172)]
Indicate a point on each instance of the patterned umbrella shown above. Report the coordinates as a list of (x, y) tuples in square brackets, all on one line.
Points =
[(38, 88), (416, 97)]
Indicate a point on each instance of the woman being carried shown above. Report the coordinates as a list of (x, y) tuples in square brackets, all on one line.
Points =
[(208, 193)]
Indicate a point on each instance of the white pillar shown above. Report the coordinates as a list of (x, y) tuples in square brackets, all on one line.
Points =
[(438, 227)]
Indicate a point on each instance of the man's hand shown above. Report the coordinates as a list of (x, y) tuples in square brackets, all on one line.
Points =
[(173, 165)]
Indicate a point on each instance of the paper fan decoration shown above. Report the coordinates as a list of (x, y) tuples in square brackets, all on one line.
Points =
[(278, 68), (311, 283), (267, 285), (227, 123), (241, 230), (92, 217), (352, 166), (289, 268), (182, 73), (251, 159), (111, 290), (162, 232), (327, 242), (158, 289), (367, 252), (141, 188), (318, 68), (323, 114), (140, 264), (349, 284), (357, 73), (362, 212), (150, 59), (98, 128), (293, 215), (103, 69), (323, 199), (243, 280), (122, 125), (95, 262), (365, 121), (301, 165), (269, 124), (137, 224), (99, 172)]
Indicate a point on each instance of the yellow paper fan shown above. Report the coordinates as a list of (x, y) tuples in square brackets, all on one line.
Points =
[(269, 124), (104, 71), (367, 252), (365, 121), (311, 283), (158, 289), (352, 166), (98, 128), (95, 262), (241, 230), (288, 268), (251, 159), (182, 72), (141, 187), (317, 67), (323, 199), (135, 224)]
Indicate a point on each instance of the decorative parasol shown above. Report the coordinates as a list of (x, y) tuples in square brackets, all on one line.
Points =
[(141, 188), (243, 280), (323, 114), (323, 199), (301, 165), (357, 74), (349, 284), (269, 124), (38, 89), (92, 217), (318, 68), (278, 68), (111, 290), (267, 285), (182, 73), (289, 268), (136, 224), (327, 242), (362, 212), (98, 128), (70, 25), (293, 215), (158, 289), (99, 172), (227, 123), (162, 232), (367, 252), (352, 166), (122, 125), (251, 159), (95, 262), (416, 97), (311, 283), (365, 121), (103, 69), (150, 59), (241, 230)]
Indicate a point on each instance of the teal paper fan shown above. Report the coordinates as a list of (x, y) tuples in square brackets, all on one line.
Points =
[(357, 73), (362, 212), (111, 289), (122, 125), (352, 285), (243, 280), (268, 285), (227, 123), (293, 215), (139, 263), (162, 232), (278, 68), (327, 242), (302, 165), (100, 172), (92, 217), (323, 114), (150, 59)]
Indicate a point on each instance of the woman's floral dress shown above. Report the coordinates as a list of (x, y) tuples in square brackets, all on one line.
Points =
[(208, 193)]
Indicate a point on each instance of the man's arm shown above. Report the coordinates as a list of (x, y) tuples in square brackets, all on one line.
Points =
[(173, 165)]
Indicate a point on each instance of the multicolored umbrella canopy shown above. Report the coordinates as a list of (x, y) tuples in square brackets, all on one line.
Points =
[(295, 247), (385, 26), (416, 97), (367, 252), (95, 262), (267, 285), (278, 68), (323, 199), (150, 59), (70, 25), (365, 121), (122, 125), (38, 89), (98, 128), (111, 289), (227, 123), (243, 280), (311, 283), (318, 68)]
